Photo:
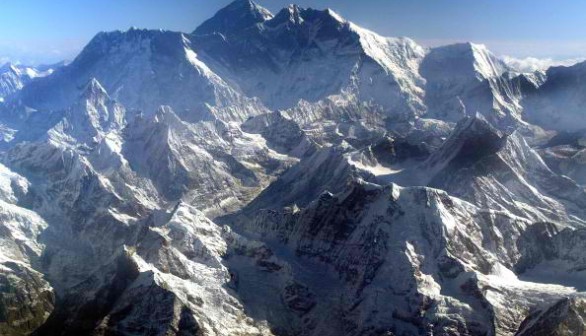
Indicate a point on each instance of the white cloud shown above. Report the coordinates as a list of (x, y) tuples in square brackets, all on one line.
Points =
[(531, 64)]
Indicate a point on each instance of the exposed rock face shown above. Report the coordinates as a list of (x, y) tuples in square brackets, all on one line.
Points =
[(480, 164), (565, 317), (444, 257), (465, 79), (307, 54), (26, 300), (289, 174), (143, 70)]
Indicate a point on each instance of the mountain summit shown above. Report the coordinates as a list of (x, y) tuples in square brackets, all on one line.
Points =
[(290, 174), (238, 15)]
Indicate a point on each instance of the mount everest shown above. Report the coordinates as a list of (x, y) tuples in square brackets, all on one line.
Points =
[(290, 174)]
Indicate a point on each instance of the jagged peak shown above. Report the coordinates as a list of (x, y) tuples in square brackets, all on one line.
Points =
[(105, 39), (238, 15), (133, 42), (296, 15), (292, 14), (93, 89), (162, 122)]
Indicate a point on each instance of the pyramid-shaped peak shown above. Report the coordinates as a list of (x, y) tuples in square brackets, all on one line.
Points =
[(462, 60), (475, 135), (238, 15), (474, 124), (94, 89), (465, 50)]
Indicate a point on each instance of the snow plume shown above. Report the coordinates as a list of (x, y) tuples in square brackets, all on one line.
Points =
[(532, 64)]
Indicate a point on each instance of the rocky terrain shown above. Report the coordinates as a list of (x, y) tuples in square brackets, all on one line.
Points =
[(290, 174)]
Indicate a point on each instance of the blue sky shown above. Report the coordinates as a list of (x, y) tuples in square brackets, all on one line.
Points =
[(41, 31)]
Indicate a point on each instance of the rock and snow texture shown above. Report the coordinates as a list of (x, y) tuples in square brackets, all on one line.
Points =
[(26, 298), (144, 69), (308, 55), (410, 261), (14, 77), (465, 79), (290, 174)]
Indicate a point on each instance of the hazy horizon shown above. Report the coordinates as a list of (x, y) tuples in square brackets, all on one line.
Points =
[(53, 32)]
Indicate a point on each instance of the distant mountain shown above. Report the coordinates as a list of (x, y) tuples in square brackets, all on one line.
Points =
[(290, 174), (14, 77), (558, 103), (465, 79), (143, 70), (306, 54)]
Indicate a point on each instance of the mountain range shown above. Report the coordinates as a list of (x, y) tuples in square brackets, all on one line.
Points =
[(290, 174)]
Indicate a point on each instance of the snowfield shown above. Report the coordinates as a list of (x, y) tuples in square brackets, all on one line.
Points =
[(290, 174)]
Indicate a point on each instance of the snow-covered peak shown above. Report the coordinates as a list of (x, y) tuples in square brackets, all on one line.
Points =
[(309, 55), (94, 89), (322, 20), (335, 15), (238, 15), (9, 67), (486, 63), (463, 79), (13, 77), (142, 70), (29, 72), (291, 13), (128, 41), (386, 51), (465, 60)]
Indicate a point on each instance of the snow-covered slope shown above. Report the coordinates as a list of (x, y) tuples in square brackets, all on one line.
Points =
[(289, 174), (14, 77), (406, 261), (306, 54), (26, 297), (144, 69), (465, 79), (498, 171)]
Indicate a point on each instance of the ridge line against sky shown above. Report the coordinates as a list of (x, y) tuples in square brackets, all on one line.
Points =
[(38, 31)]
